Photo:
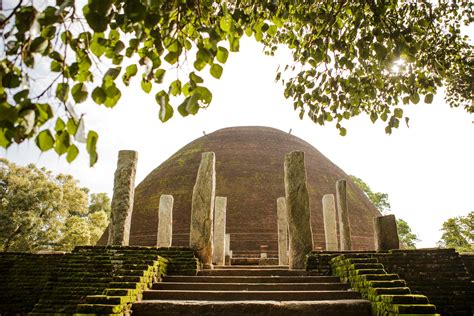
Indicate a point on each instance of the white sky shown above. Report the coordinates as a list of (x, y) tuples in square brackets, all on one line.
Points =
[(426, 169)]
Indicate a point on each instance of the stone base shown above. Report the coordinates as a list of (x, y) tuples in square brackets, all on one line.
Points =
[(207, 266)]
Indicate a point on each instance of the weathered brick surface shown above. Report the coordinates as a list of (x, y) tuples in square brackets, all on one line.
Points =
[(440, 274), (388, 294), (249, 171), (468, 260), (88, 280)]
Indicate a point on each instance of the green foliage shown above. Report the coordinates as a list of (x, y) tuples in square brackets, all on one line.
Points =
[(351, 57), (458, 233), (405, 234), (41, 211), (380, 200)]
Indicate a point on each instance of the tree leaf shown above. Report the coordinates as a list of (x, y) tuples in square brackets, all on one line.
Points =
[(62, 142), (429, 98), (44, 140), (398, 113), (79, 92), (175, 87), (60, 125), (166, 110), (91, 147), (216, 71), (203, 94), (72, 153), (62, 91), (146, 85), (225, 23), (222, 54), (98, 95)]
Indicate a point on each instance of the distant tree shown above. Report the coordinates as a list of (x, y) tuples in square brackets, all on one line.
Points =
[(41, 211), (379, 199), (405, 234), (381, 202), (458, 233), (349, 58)]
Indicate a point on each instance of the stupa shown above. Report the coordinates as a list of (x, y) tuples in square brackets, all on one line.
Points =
[(249, 172)]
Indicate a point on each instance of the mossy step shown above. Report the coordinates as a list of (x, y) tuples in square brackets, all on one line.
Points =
[(411, 308), (367, 271), (101, 308), (109, 300), (121, 292), (377, 277), (358, 266), (386, 284), (388, 291), (404, 299)]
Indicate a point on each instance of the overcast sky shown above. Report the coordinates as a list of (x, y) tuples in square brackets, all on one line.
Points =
[(427, 169)]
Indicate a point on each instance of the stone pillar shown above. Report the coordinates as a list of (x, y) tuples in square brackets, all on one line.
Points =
[(282, 232), (228, 254), (297, 207), (202, 207), (329, 216), (165, 221), (385, 233), (344, 224), (219, 230), (122, 199)]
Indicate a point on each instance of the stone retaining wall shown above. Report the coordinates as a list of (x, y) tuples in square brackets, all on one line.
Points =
[(440, 274), (89, 280), (388, 294)]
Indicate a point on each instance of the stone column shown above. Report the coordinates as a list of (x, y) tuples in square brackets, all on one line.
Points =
[(282, 232), (344, 224), (297, 207), (165, 221), (227, 252), (219, 230), (329, 216), (122, 199), (385, 233), (202, 207)]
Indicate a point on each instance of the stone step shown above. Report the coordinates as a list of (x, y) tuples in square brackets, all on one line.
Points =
[(206, 286), (252, 272), (252, 279), (251, 267), (355, 307), (249, 295)]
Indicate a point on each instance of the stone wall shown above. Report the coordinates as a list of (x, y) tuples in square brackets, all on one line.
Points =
[(93, 280), (468, 259), (440, 274), (388, 294)]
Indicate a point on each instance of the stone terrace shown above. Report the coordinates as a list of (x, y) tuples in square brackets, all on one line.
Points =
[(93, 280), (440, 274)]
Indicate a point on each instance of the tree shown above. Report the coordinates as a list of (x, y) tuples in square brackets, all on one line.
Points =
[(41, 211), (351, 57), (380, 200), (406, 236), (458, 233)]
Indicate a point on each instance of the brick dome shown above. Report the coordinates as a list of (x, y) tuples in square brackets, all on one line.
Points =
[(249, 172)]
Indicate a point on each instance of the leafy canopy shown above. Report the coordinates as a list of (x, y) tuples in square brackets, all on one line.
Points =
[(380, 200), (458, 233), (40, 211), (351, 57)]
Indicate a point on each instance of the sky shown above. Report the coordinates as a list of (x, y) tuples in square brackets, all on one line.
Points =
[(426, 169)]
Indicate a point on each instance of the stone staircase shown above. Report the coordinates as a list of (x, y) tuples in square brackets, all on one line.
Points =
[(251, 290)]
